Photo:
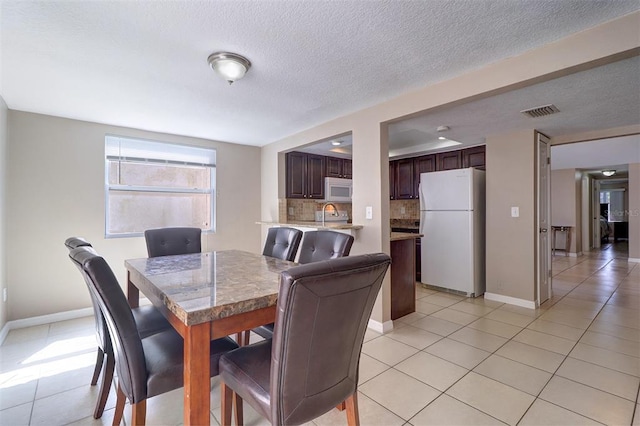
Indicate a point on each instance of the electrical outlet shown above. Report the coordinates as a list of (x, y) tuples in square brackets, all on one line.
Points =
[(369, 212), (4, 294), (515, 211), (403, 210), (290, 211)]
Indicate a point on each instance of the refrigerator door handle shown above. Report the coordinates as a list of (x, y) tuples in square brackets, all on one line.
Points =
[(422, 203)]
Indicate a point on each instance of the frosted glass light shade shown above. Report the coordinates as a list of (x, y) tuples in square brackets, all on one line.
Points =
[(229, 66)]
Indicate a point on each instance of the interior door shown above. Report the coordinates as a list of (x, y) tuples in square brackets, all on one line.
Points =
[(595, 213), (544, 220)]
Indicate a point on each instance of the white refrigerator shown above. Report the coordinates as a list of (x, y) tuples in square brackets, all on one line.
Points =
[(452, 220)]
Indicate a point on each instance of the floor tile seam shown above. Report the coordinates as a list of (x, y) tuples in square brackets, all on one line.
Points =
[(377, 403), (590, 387), (376, 375), (616, 337), (462, 402), (411, 377), (521, 363), (603, 366), (601, 390), (610, 350), (478, 409), (399, 341), (476, 347), (511, 386), (550, 335), (564, 408)]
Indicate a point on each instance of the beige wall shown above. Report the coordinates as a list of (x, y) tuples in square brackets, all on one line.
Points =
[(634, 211), (3, 184), (566, 206), (56, 189), (510, 241), (612, 41)]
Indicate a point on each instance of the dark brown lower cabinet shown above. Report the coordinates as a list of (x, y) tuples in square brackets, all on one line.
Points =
[(403, 283)]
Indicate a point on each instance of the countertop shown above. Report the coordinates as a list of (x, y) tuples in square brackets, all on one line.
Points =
[(315, 225), (397, 236)]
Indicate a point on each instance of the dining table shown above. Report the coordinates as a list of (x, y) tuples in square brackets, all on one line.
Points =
[(206, 296)]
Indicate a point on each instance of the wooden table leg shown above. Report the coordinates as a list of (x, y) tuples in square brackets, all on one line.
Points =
[(197, 374), (133, 294)]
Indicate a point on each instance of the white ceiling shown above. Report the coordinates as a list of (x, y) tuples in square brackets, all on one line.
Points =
[(144, 64)]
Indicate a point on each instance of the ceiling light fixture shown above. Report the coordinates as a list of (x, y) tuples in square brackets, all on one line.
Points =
[(608, 173), (442, 128), (229, 66), (442, 138), (336, 143)]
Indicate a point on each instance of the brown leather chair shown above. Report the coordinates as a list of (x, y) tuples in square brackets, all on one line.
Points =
[(322, 315), (282, 243), (173, 241), (324, 245), (146, 366), (148, 320), (316, 246)]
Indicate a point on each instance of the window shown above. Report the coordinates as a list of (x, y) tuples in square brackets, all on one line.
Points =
[(154, 185), (612, 205)]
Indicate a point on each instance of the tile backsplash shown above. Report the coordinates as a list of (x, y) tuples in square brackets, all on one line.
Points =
[(404, 209), (294, 209)]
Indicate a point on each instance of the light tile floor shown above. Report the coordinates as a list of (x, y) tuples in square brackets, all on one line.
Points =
[(455, 361)]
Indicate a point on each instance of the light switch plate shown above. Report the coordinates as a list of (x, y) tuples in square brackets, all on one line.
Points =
[(515, 211), (369, 212)]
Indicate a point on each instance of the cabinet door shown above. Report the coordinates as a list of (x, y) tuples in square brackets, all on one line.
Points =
[(392, 180), (296, 182), (424, 164), (335, 167), (448, 160), (474, 157), (315, 176), (404, 179), (346, 168)]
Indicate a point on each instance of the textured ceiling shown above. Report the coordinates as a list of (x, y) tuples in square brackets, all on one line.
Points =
[(143, 64)]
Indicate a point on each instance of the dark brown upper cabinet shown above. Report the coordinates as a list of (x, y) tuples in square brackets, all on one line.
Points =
[(474, 157), (392, 180), (338, 167), (448, 160), (423, 164), (305, 175), (404, 179)]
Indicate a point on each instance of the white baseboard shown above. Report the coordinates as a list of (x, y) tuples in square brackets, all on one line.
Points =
[(380, 327), (634, 260), (43, 319), (530, 304)]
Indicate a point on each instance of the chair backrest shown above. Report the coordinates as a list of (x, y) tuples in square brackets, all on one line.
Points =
[(324, 245), (130, 361), (102, 333), (172, 241), (323, 312), (282, 243), (75, 242)]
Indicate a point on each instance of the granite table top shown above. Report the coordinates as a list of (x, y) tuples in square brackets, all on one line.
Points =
[(204, 287)]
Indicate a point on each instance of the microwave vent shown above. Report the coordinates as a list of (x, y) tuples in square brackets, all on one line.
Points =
[(541, 111)]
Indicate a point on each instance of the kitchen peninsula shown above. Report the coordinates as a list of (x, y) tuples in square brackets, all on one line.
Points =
[(403, 266)]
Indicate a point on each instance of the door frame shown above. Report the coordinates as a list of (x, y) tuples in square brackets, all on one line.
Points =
[(543, 253)]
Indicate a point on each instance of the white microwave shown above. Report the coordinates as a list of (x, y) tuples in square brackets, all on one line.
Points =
[(338, 190)]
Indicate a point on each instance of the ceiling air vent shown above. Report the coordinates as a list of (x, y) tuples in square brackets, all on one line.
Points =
[(541, 111)]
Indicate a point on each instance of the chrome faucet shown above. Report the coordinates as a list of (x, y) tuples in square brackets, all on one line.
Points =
[(335, 211)]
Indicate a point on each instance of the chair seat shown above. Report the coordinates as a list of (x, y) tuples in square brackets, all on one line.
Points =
[(164, 357), (247, 371), (149, 320), (264, 331)]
